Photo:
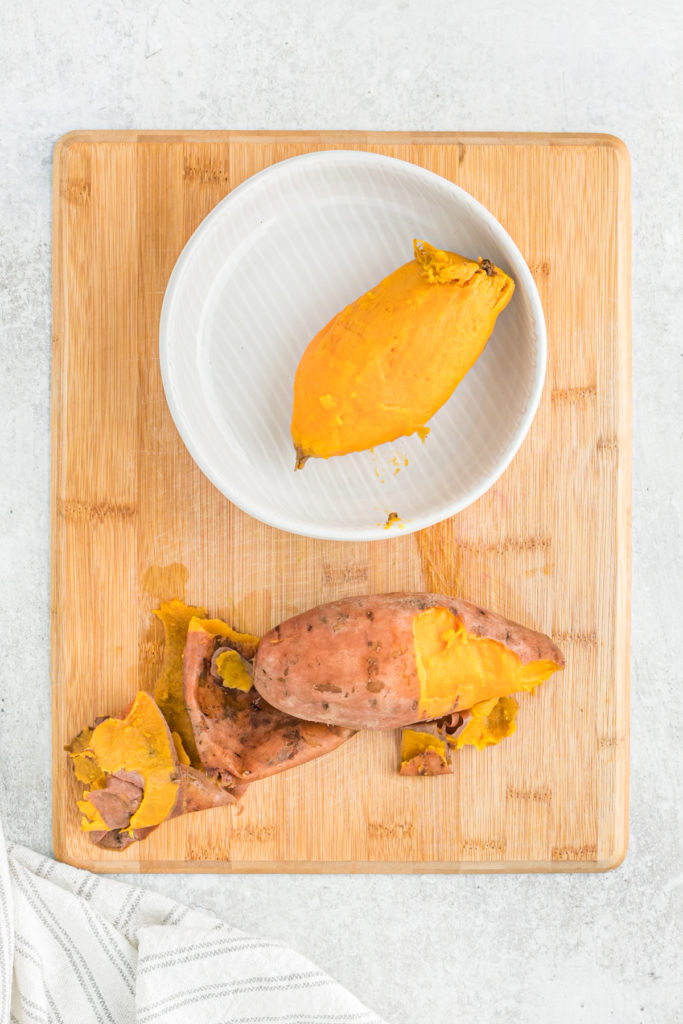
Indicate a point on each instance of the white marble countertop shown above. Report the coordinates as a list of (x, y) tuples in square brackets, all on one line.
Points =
[(560, 949)]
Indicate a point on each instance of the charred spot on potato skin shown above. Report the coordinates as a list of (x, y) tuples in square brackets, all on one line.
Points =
[(370, 614), (374, 685), (327, 688), (309, 627), (292, 735), (325, 706), (284, 754)]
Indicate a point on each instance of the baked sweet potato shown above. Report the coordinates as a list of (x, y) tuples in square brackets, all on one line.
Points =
[(382, 366), (389, 660)]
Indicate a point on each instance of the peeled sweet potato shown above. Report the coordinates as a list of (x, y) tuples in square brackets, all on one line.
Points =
[(390, 660), (384, 365)]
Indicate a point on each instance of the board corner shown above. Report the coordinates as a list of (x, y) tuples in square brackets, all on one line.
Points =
[(616, 857)]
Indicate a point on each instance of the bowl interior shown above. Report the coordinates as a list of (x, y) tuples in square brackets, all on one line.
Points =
[(264, 272)]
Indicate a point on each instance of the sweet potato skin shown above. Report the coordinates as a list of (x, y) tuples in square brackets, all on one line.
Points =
[(238, 733), (352, 662)]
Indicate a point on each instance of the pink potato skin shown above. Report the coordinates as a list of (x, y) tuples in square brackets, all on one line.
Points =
[(238, 734), (352, 662)]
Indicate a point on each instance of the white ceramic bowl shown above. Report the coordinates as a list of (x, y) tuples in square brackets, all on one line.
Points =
[(268, 267)]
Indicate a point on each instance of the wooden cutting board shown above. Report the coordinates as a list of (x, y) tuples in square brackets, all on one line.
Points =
[(134, 521)]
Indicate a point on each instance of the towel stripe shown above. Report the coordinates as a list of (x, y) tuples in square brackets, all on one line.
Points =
[(78, 963), (161, 961), (211, 992)]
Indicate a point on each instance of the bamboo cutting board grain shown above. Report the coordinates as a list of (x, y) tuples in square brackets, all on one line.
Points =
[(134, 521)]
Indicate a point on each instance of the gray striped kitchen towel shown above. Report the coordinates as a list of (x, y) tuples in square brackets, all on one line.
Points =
[(76, 947)]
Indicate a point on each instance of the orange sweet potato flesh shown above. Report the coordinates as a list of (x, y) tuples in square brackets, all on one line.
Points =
[(238, 732), (423, 753), (391, 660), (424, 749), (175, 617), (384, 365), (134, 779), (486, 724)]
